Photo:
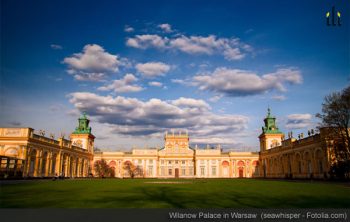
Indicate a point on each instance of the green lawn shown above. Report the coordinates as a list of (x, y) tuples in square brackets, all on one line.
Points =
[(143, 193)]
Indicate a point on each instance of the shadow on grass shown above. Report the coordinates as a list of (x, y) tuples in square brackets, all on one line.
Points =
[(199, 194)]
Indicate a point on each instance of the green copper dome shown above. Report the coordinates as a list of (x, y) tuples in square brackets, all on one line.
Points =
[(270, 124), (83, 127)]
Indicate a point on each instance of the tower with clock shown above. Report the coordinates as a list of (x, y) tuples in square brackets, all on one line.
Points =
[(82, 136), (270, 136)]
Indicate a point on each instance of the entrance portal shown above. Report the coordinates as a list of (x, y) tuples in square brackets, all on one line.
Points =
[(176, 172), (240, 171)]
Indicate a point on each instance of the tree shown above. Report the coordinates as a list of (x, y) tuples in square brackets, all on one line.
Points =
[(102, 169), (336, 117), (132, 169)]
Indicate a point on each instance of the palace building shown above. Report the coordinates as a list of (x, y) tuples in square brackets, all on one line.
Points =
[(178, 160), (309, 157), (26, 154)]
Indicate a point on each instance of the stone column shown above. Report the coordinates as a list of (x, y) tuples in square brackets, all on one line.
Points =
[(78, 168), (84, 168), (58, 164), (68, 166), (65, 165), (36, 163), (47, 160), (27, 162)]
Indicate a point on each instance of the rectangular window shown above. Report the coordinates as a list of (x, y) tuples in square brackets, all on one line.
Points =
[(213, 162), (183, 172), (213, 171), (162, 162), (202, 171), (183, 162), (170, 172), (169, 162), (150, 171), (150, 161), (191, 171), (140, 162), (3, 163), (12, 164), (176, 162), (202, 161)]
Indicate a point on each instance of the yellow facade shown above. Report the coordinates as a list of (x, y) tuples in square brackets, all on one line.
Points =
[(178, 160), (303, 158), (24, 153), (308, 157)]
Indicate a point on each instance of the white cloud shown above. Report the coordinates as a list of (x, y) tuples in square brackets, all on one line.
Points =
[(89, 77), (92, 63), (299, 121), (233, 54), (94, 58), (215, 98), (55, 46), (128, 29), (236, 82), (165, 27), (189, 102), (152, 69), (193, 44), (230, 48), (147, 41), (130, 116), (180, 81), (124, 85), (156, 84)]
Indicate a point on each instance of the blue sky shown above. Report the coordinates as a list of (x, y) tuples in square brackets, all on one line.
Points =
[(139, 68)]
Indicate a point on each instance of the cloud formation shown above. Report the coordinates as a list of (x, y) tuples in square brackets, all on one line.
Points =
[(236, 82), (125, 85), (230, 48), (128, 29), (92, 63), (156, 84), (165, 27), (152, 69), (215, 98), (133, 117), (147, 41), (299, 121)]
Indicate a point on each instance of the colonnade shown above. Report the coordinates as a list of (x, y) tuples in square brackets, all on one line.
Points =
[(47, 163), (311, 163)]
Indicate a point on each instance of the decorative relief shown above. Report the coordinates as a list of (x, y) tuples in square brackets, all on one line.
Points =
[(12, 132), (78, 143), (11, 152)]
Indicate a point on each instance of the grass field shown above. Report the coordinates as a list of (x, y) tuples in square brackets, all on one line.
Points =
[(146, 193)]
